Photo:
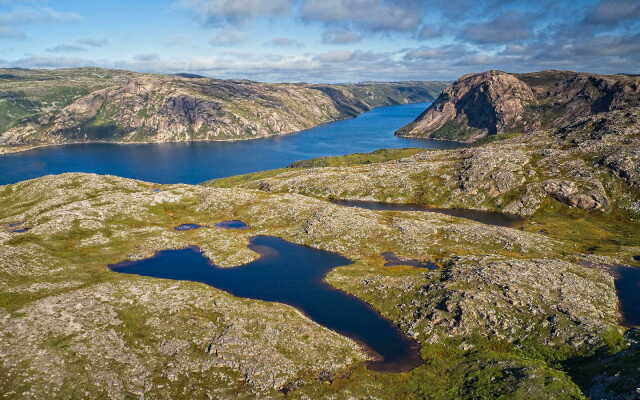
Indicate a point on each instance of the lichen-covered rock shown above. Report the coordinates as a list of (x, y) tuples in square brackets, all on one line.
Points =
[(540, 300)]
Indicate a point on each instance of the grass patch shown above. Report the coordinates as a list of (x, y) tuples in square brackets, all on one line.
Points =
[(133, 328), (237, 180), (377, 156)]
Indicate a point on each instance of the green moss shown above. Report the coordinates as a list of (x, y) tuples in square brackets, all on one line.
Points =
[(245, 178), (378, 156), (489, 370), (59, 342), (453, 130), (134, 328), (498, 137)]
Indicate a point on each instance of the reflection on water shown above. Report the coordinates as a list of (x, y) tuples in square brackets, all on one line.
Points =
[(187, 227)]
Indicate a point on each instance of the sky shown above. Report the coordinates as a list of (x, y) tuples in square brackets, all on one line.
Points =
[(323, 40)]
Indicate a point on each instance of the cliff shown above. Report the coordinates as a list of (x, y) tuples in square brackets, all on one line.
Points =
[(496, 102)]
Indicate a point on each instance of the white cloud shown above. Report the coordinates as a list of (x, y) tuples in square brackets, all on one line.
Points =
[(93, 42), (369, 15), (341, 36), (22, 16), (227, 37), (9, 33), (66, 48), (285, 42), (216, 12)]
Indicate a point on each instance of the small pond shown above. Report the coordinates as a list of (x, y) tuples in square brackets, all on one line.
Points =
[(232, 224), (292, 274), (628, 288), (188, 227)]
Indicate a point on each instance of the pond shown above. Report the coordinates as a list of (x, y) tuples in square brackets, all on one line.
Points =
[(627, 281), (292, 274)]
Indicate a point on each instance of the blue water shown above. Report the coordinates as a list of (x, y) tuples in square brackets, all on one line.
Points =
[(291, 274), (196, 162), (188, 227), (232, 224), (628, 288)]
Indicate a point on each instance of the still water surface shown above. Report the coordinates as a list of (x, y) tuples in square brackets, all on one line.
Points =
[(196, 162), (292, 274)]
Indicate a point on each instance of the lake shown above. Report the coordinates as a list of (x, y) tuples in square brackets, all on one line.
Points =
[(199, 161), (292, 274)]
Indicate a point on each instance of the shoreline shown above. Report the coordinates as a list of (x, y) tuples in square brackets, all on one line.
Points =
[(14, 149)]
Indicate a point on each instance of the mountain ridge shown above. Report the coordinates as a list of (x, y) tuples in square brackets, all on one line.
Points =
[(39, 107), (496, 102)]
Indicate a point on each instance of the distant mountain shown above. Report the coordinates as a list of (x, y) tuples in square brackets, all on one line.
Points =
[(495, 102), (92, 104)]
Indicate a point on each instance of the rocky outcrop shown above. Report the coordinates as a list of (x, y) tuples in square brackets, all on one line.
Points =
[(496, 102), (473, 107), (129, 107)]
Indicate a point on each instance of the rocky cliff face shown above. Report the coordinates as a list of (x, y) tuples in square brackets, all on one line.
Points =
[(496, 102), (99, 105)]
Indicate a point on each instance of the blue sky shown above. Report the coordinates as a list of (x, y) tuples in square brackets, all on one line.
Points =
[(323, 40)]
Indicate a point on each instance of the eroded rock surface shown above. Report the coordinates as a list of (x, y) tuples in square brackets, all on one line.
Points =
[(496, 102)]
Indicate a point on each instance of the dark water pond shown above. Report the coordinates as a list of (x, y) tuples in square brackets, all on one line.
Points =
[(291, 274), (628, 287), (485, 217), (196, 162), (393, 260), (232, 224), (188, 227)]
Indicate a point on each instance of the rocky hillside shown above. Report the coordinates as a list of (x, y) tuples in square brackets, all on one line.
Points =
[(588, 169), (577, 185), (60, 106), (496, 102)]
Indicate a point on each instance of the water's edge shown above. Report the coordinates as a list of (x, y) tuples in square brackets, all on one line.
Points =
[(391, 349)]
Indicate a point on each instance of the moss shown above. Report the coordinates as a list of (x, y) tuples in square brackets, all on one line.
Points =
[(496, 138), (586, 231), (237, 180), (134, 328), (489, 370), (59, 342), (453, 130), (378, 156)]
